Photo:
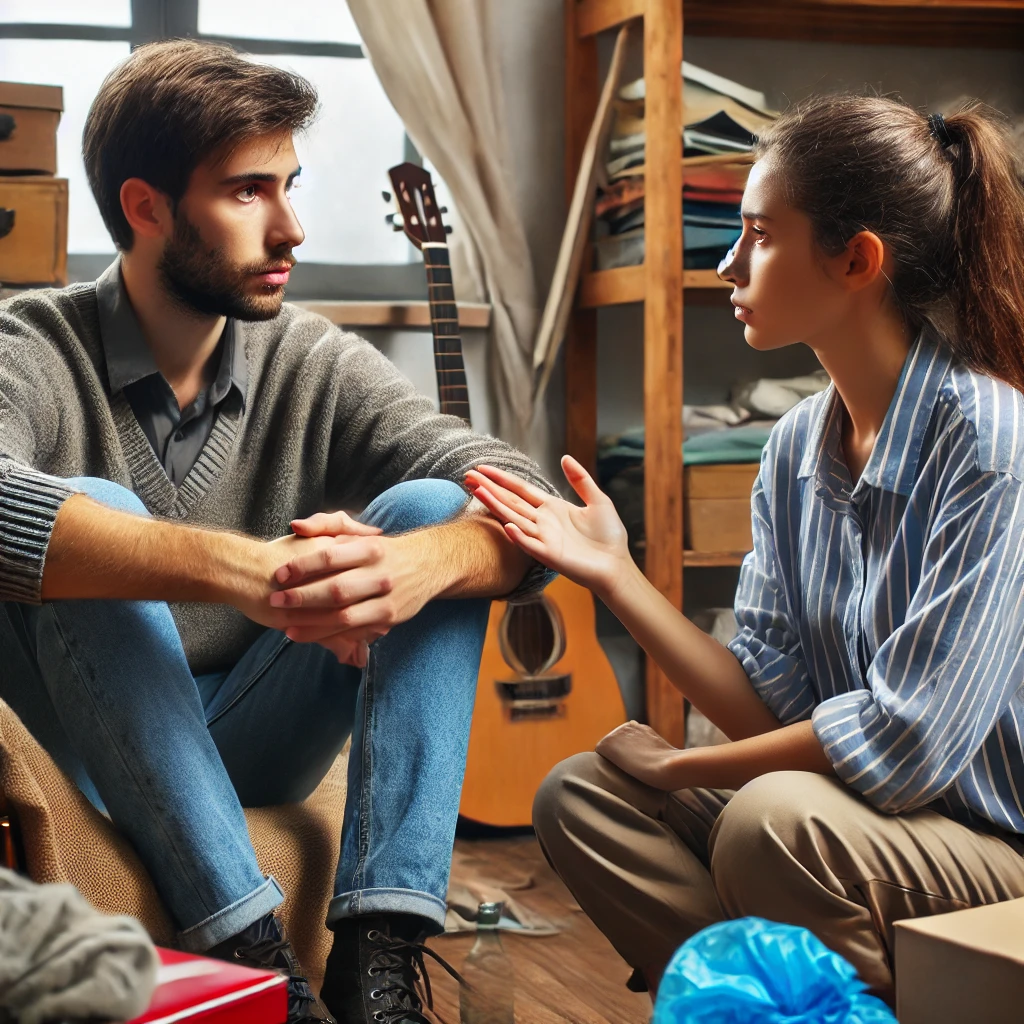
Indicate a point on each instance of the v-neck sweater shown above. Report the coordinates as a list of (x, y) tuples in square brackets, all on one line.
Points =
[(328, 423)]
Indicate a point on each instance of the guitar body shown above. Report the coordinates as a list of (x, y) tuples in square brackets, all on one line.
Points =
[(510, 753), (546, 689)]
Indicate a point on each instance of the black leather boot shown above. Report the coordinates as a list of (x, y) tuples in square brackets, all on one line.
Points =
[(375, 972), (264, 945)]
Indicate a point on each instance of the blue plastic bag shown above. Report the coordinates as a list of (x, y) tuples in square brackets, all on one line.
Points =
[(752, 971)]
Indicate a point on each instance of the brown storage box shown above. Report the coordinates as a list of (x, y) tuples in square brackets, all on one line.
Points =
[(31, 147), (34, 251), (716, 506), (966, 967)]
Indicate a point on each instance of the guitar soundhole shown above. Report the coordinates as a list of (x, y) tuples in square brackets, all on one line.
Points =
[(532, 636)]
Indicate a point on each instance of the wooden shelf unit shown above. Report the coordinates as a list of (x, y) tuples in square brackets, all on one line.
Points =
[(660, 282)]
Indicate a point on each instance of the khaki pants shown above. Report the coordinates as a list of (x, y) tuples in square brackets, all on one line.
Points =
[(652, 868)]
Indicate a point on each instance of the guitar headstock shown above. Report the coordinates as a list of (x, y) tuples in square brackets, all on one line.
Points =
[(418, 215)]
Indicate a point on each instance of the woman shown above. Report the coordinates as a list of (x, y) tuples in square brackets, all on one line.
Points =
[(873, 694)]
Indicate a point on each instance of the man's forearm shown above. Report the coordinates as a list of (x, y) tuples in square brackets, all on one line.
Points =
[(99, 552), (471, 557)]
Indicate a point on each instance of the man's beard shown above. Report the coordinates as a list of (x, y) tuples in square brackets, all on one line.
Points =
[(202, 280)]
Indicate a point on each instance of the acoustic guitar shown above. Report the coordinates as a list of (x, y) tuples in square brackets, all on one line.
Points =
[(546, 688)]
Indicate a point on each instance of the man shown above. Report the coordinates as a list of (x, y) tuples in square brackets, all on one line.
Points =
[(157, 428)]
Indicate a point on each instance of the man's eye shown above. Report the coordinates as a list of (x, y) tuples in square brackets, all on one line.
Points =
[(247, 195)]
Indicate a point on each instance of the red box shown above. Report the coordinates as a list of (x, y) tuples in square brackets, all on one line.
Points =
[(196, 988)]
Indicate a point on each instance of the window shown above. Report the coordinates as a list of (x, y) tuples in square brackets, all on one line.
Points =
[(349, 250)]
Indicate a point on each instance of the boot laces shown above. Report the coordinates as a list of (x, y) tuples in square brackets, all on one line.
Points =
[(400, 965)]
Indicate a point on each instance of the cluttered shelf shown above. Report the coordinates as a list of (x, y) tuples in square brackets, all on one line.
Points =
[(982, 23)]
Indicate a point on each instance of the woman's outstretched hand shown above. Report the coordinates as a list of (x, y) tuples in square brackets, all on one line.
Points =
[(587, 544)]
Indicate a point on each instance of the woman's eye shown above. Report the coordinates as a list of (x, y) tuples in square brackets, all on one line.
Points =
[(247, 195), (759, 232)]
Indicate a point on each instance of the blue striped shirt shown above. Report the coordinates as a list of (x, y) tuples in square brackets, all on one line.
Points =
[(891, 612)]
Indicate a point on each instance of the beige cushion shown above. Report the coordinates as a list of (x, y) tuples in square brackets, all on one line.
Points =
[(67, 840)]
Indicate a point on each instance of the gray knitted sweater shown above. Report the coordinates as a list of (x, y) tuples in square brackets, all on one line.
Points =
[(328, 423)]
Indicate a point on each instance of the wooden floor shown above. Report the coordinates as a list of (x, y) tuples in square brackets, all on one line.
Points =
[(574, 976)]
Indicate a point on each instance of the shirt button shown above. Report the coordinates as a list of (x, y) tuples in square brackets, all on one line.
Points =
[(178, 435)]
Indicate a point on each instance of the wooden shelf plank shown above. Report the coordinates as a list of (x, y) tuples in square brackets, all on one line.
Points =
[(593, 16), (712, 559), (392, 313), (982, 23), (626, 284)]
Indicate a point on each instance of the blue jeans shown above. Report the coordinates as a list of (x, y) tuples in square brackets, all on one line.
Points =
[(104, 686)]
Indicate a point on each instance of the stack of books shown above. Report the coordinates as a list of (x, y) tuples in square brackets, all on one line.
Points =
[(723, 120)]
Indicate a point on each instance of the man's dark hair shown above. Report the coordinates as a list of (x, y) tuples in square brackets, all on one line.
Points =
[(171, 105)]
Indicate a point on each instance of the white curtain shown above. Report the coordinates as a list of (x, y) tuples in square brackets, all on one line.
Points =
[(436, 63)]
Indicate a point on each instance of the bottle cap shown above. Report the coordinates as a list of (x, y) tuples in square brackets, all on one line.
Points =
[(489, 914)]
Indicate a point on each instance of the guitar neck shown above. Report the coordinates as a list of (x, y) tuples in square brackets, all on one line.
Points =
[(444, 322)]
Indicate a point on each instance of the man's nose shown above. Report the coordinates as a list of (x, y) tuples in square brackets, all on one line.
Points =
[(286, 230)]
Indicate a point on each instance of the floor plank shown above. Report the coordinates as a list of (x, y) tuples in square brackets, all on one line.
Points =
[(573, 977)]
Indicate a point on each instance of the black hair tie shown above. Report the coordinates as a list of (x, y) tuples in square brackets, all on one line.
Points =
[(937, 126)]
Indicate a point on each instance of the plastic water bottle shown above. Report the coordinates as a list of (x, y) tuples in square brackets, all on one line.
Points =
[(487, 997)]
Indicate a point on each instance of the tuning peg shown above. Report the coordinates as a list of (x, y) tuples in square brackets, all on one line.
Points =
[(387, 196), (447, 229), (444, 209), (394, 218)]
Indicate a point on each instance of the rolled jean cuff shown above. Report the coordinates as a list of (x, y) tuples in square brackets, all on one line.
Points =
[(387, 901), (233, 919)]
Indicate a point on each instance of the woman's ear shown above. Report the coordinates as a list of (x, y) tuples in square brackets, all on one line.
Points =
[(860, 264)]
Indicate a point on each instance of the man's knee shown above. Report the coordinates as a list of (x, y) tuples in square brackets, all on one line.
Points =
[(414, 504), (766, 829), (106, 492)]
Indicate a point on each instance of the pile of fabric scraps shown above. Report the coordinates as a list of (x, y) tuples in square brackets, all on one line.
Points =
[(60, 958), (722, 122)]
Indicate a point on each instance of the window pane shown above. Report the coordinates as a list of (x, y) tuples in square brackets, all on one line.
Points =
[(80, 67), (314, 21), (67, 12), (345, 159)]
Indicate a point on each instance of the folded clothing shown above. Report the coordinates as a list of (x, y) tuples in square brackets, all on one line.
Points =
[(60, 958)]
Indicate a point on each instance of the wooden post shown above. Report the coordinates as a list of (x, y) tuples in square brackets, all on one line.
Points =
[(581, 94), (663, 334)]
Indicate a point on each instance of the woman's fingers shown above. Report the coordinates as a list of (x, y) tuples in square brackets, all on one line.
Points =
[(533, 546), (501, 511), (582, 482), (516, 484), (503, 494)]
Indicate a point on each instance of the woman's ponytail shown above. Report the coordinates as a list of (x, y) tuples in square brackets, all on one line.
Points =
[(945, 196), (987, 282)]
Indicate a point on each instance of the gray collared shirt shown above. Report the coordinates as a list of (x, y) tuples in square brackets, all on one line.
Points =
[(177, 435)]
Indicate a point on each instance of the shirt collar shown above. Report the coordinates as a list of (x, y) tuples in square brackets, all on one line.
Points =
[(129, 358), (892, 465)]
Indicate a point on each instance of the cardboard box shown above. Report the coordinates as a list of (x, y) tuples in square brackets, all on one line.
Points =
[(195, 988), (716, 506), (966, 967), (29, 115), (34, 230)]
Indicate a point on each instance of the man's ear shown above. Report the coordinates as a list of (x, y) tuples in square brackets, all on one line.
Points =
[(147, 209), (861, 263)]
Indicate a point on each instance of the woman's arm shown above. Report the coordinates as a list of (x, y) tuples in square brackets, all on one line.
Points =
[(639, 751), (588, 545)]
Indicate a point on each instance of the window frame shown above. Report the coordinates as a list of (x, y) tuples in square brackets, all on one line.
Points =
[(155, 20)]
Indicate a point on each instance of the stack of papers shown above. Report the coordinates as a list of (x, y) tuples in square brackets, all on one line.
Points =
[(722, 120)]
